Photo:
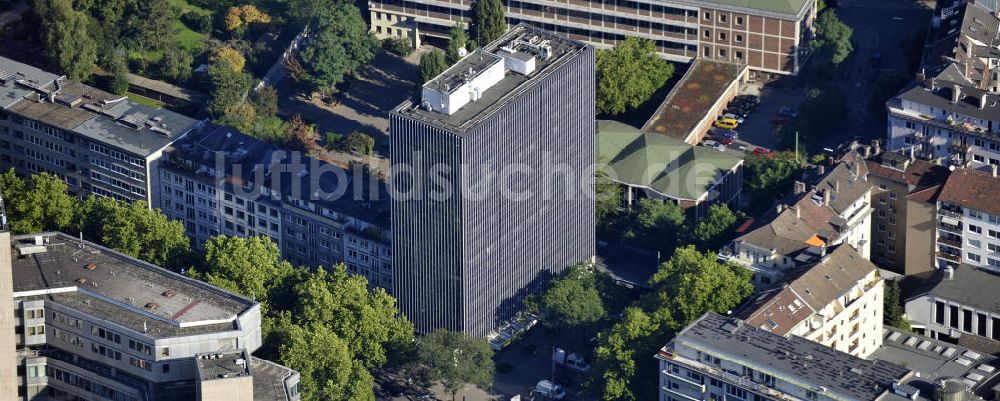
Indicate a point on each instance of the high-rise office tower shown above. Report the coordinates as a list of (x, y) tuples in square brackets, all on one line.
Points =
[(490, 174)]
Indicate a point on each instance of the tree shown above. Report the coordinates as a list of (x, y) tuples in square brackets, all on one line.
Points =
[(175, 65), (712, 231), (368, 320), (361, 142), (138, 231), (230, 57), (432, 64), (237, 19), (454, 360), (691, 283), (401, 47), (251, 266), (272, 129), (833, 37), (768, 178), (628, 75), (228, 87), (119, 73), (324, 361), (572, 304), (265, 100), (489, 20), (66, 38), (459, 40), (655, 224), (339, 45), (36, 205), (893, 314), (197, 22), (149, 23), (607, 202), (622, 364), (241, 116), (302, 135)]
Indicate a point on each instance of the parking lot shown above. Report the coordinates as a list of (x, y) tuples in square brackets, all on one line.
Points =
[(757, 129)]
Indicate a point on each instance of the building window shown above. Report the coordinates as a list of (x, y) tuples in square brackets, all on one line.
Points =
[(981, 324), (966, 320), (953, 316), (722, 53), (975, 229), (939, 312), (996, 328), (707, 51), (722, 18), (739, 20), (722, 36), (739, 55), (708, 34), (975, 257), (708, 15)]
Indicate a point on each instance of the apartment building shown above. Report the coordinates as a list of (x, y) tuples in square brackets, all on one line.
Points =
[(722, 358), (94, 324), (837, 210), (97, 142), (968, 223), (958, 305), (767, 35), (947, 119), (471, 240), (905, 210), (220, 181), (837, 302)]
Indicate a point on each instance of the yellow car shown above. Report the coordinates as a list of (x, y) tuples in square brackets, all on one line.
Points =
[(726, 123)]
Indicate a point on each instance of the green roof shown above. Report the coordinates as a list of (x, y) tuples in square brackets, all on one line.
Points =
[(659, 162), (792, 7)]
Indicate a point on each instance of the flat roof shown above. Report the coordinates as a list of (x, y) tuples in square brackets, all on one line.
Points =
[(970, 285), (119, 288), (811, 364), (497, 95), (667, 165), (366, 198), (88, 111), (222, 365), (689, 101), (935, 359), (270, 380), (791, 7)]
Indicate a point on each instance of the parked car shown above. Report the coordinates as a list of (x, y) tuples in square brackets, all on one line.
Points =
[(549, 389), (724, 133), (739, 111), (738, 119), (727, 123), (788, 112), (714, 145), (724, 142), (762, 152), (572, 361)]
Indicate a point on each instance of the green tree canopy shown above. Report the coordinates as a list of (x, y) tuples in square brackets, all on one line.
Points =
[(432, 64), (249, 266), (691, 283), (768, 178), (655, 224), (712, 232), (228, 88), (489, 20), (119, 73), (148, 23), (361, 142), (608, 201), (893, 314), (623, 366), (833, 37), (572, 304), (66, 38), (324, 361), (339, 45), (459, 40), (454, 360), (136, 230), (628, 75), (40, 204), (175, 65)]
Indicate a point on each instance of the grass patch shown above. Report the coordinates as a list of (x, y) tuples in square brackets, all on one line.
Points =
[(185, 6), (144, 100), (186, 38)]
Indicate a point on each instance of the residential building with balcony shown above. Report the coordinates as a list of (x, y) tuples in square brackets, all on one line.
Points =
[(93, 324), (722, 358), (968, 222), (958, 305), (97, 142), (768, 35), (220, 181), (837, 302), (904, 200), (946, 119), (837, 210)]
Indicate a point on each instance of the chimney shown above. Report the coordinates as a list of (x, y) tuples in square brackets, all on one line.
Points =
[(993, 170), (932, 84), (956, 93), (866, 151), (949, 273), (836, 186), (797, 214), (876, 147), (913, 154), (780, 208), (982, 101), (922, 76), (820, 169), (800, 187), (826, 197)]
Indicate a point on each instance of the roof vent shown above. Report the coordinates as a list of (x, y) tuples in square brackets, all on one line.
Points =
[(90, 266), (169, 293), (151, 306)]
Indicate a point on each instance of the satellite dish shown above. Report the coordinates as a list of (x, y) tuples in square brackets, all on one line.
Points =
[(462, 52)]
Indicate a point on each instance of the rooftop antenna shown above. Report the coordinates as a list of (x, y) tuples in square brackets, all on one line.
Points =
[(80, 244), (144, 328)]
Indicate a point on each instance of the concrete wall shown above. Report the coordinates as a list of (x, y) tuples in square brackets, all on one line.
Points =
[(921, 226), (8, 347), (230, 389)]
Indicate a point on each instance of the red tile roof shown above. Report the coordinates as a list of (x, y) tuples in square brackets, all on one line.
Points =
[(972, 189)]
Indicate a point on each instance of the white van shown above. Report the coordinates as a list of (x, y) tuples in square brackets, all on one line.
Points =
[(549, 389)]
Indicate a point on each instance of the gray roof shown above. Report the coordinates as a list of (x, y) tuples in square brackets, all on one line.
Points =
[(270, 380), (497, 95), (970, 286), (940, 98), (980, 24), (87, 111), (847, 182), (12, 71), (811, 364), (222, 365), (122, 289)]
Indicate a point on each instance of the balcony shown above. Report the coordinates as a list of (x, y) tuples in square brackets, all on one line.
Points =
[(948, 123), (955, 214), (949, 257), (950, 228), (951, 240)]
